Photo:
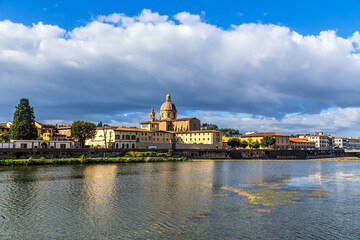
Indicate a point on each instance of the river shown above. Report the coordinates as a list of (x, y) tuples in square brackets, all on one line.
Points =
[(182, 200)]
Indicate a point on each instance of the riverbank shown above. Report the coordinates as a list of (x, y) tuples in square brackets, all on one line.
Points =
[(130, 157), (281, 160)]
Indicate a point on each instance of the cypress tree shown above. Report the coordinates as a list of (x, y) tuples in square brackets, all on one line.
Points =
[(23, 127)]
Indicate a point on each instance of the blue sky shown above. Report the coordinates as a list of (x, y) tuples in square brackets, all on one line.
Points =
[(287, 66), (306, 16)]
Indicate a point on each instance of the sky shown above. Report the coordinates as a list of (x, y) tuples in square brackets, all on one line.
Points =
[(285, 66)]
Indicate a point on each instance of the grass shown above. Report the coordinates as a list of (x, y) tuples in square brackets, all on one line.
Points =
[(130, 157)]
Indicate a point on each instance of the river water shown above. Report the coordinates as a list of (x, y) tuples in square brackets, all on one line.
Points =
[(182, 200)]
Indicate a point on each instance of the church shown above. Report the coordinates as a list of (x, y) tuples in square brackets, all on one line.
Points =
[(169, 121), (168, 132)]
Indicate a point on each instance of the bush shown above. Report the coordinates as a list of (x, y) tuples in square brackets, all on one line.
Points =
[(82, 159)]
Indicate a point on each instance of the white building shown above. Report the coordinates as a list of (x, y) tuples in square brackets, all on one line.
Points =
[(340, 142), (26, 144), (353, 143), (321, 140)]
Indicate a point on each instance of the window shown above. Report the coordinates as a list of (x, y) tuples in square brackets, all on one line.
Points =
[(62, 146), (123, 136), (133, 137), (218, 140), (117, 136), (127, 137)]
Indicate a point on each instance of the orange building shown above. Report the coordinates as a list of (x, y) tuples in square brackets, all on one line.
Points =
[(301, 144)]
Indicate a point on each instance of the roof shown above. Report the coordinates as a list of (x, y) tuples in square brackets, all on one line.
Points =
[(198, 131), (139, 130), (174, 120), (300, 140), (166, 106), (106, 127), (263, 134)]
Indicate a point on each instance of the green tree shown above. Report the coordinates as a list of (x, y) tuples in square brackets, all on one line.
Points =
[(23, 127), (207, 126), (255, 144), (233, 142), (82, 130), (244, 144), (229, 132), (4, 137), (267, 141)]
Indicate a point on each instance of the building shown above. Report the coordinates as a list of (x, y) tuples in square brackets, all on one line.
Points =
[(339, 143), (129, 138), (7, 124), (45, 131), (4, 130), (169, 121), (168, 132), (301, 144), (353, 143), (64, 129), (201, 139), (321, 140), (43, 144), (281, 140)]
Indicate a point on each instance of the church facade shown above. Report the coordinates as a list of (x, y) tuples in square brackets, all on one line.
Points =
[(169, 121)]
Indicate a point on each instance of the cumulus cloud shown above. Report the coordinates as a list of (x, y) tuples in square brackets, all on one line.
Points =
[(120, 63), (337, 121)]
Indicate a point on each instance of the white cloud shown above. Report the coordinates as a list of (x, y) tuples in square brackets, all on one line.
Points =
[(119, 63), (338, 121)]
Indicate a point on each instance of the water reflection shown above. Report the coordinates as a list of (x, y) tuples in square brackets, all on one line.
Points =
[(185, 200)]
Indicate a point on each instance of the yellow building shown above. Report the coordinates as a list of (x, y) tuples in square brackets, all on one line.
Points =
[(281, 140), (129, 138), (168, 132), (104, 137), (201, 138)]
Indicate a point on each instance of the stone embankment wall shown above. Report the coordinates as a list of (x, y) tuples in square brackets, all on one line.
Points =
[(190, 153)]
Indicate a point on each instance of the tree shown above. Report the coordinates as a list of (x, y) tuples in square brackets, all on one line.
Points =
[(4, 137), (82, 130), (244, 144), (233, 142), (255, 144), (23, 127), (267, 141), (207, 126), (229, 132)]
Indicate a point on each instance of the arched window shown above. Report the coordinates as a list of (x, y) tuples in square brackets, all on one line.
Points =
[(133, 145), (123, 145), (127, 145)]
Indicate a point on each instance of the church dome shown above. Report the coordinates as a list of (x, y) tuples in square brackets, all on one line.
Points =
[(168, 105)]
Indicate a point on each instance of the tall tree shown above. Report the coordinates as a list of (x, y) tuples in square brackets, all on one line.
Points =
[(267, 141), (23, 127), (82, 130)]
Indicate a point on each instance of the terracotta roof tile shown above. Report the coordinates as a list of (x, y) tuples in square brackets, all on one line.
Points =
[(262, 134)]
